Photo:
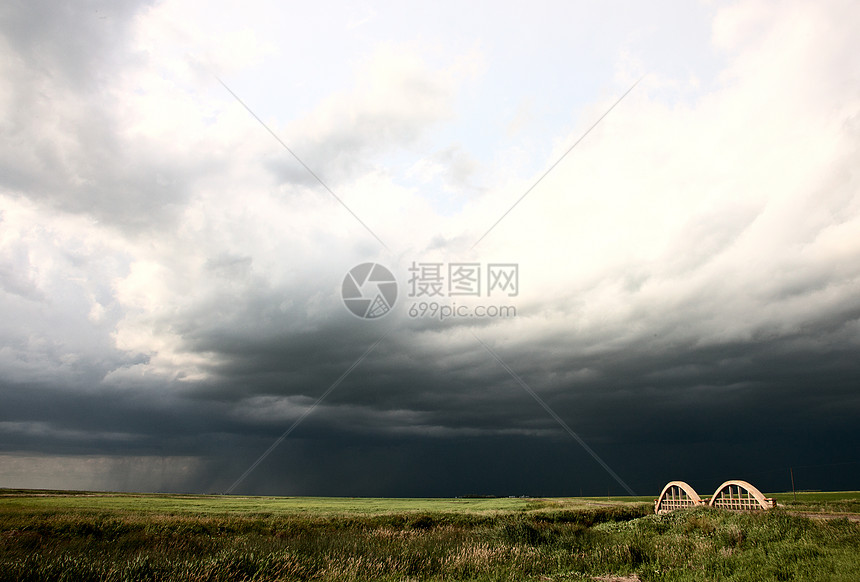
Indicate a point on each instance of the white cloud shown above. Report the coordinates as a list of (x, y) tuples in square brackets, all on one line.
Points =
[(712, 212)]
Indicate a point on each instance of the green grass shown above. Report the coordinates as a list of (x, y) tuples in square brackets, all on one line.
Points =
[(120, 537), (317, 506), (820, 501)]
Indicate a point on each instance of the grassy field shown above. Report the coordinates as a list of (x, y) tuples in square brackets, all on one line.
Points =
[(87, 536), (820, 501), (272, 506)]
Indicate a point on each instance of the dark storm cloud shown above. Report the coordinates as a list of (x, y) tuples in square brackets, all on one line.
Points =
[(733, 403), (719, 406)]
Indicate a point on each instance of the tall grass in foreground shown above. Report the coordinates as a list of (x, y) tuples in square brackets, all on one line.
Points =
[(700, 544)]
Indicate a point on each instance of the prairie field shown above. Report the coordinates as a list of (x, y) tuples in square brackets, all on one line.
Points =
[(53, 535)]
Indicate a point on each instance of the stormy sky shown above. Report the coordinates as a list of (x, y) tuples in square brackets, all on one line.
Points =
[(185, 185)]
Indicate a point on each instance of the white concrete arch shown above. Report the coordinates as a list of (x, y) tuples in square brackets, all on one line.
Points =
[(740, 495), (676, 495)]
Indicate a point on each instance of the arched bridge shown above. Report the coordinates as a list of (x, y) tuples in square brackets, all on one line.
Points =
[(740, 495), (733, 494), (676, 495)]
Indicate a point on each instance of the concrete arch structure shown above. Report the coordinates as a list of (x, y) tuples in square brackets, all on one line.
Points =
[(741, 496), (676, 495)]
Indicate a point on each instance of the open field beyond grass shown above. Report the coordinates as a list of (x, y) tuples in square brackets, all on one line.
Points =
[(93, 536), (272, 506)]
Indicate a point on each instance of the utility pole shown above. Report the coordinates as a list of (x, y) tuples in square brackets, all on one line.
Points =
[(793, 492)]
